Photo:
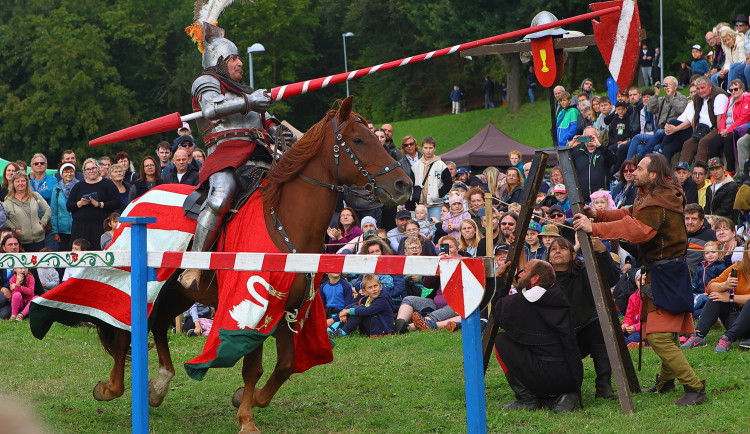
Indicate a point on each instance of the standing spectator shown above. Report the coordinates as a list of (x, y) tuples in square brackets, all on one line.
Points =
[(199, 156), (150, 177), (646, 61), (347, 230), (656, 66), (567, 121), (69, 156), (411, 155), (164, 152), (10, 169), (720, 196), (104, 164), (40, 181), (619, 133), (117, 175), (184, 172), (531, 84), (455, 98), (90, 202), (432, 179), (61, 217), (22, 207), (503, 94), (592, 162), (702, 115), (489, 92), (123, 159), (109, 225), (732, 125), (187, 144)]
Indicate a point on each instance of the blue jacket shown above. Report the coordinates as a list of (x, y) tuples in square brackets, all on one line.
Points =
[(704, 273), (330, 298), (392, 285), (44, 186), (455, 95), (61, 218), (567, 125), (380, 312)]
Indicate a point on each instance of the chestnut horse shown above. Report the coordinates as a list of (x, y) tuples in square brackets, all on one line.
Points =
[(336, 153)]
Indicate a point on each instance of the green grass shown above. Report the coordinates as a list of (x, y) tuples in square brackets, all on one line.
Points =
[(411, 383), (530, 125)]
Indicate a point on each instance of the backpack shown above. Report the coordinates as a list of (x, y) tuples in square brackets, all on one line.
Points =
[(624, 288)]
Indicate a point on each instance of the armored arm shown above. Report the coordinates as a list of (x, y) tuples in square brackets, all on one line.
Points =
[(215, 105)]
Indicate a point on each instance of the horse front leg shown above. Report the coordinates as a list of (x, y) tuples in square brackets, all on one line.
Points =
[(283, 369), (159, 386), (252, 370), (116, 345)]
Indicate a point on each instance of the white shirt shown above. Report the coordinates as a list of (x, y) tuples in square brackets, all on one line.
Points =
[(720, 104)]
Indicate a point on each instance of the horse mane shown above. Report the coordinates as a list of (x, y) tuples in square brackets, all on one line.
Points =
[(296, 158)]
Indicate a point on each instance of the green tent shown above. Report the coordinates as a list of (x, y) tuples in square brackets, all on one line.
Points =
[(4, 162)]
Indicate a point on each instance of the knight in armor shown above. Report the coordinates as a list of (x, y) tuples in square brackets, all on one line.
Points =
[(237, 130)]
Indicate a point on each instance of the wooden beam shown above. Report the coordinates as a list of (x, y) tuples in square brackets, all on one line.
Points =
[(502, 287), (518, 47), (626, 379)]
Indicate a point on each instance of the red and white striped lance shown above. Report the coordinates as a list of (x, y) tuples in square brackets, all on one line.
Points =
[(302, 87)]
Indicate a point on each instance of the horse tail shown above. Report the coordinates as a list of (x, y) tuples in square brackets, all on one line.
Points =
[(107, 337)]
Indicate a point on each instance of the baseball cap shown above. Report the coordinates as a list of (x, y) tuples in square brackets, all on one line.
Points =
[(559, 188), (715, 162), (462, 170), (403, 214), (185, 126), (554, 208), (697, 47), (621, 104), (503, 247), (682, 165), (369, 234), (534, 226)]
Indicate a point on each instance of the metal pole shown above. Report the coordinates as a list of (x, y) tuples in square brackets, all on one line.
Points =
[(139, 321), (661, 42), (250, 68), (346, 65)]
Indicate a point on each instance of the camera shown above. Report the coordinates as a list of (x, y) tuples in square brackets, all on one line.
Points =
[(584, 139), (659, 85)]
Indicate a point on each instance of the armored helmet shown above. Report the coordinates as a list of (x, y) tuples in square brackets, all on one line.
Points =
[(217, 48), (545, 17)]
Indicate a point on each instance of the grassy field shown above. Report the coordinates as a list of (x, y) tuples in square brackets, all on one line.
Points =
[(410, 383), (530, 125)]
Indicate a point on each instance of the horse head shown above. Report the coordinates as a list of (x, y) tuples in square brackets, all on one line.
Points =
[(360, 161)]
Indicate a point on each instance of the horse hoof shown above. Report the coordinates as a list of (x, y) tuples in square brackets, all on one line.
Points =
[(154, 399), (99, 392), (251, 428), (237, 398)]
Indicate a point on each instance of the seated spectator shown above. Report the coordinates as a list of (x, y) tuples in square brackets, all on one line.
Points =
[(335, 293), (699, 64), (422, 295), (698, 232), (732, 126), (733, 45), (564, 226), (392, 285), (371, 315), (150, 177), (398, 233), (728, 297), (21, 286), (495, 237), (561, 196), (369, 225), (22, 207), (197, 320), (426, 246), (347, 230), (592, 161), (546, 236), (109, 225), (710, 268), (470, 236), (49, 277), (79, 245), (682, 175), (442, 317), (726, 236), (631, 323), (61, 218), (700, 170), (720, 195), (457, 214), (533, 248), (427, 225), (512, 189)]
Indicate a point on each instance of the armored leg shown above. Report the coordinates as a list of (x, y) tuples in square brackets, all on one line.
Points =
[(220, 194)]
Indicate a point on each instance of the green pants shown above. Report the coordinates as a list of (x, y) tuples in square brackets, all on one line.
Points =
[(673, 362)]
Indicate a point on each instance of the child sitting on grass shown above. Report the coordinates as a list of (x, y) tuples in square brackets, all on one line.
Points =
[(372, 316), (631, 324), (710, 268), (22, 292), (335, 293)]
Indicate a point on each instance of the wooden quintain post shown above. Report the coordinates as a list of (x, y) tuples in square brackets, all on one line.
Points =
[(502, 286), (626, 379)]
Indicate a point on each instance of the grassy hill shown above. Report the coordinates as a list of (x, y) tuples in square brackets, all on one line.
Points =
[(530, 125)]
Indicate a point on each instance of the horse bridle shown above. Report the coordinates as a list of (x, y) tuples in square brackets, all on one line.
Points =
[(369, 187)]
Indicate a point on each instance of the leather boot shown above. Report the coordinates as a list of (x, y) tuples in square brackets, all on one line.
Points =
[(401, 326), (566, 403), (525, 400), (660, 387), (190, 279), (603, 370), (692, 396)]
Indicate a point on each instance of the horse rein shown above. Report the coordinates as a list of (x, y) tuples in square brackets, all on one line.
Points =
[(369, 187)]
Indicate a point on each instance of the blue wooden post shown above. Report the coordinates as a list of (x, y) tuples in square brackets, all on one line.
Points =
[(139, 321), (476, 407)]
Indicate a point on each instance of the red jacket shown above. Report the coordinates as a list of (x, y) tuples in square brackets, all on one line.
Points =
[(740, 114), (633, 311)]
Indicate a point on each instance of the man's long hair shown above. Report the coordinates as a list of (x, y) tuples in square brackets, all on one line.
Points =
[(664, 181)]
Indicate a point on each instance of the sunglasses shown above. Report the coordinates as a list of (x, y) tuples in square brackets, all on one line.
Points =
[(39, 163), (628, 171), (410, 144), (734, 89), (185, 144), (556, 215)]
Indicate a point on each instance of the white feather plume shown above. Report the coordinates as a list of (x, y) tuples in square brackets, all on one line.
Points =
[(209, 10)]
